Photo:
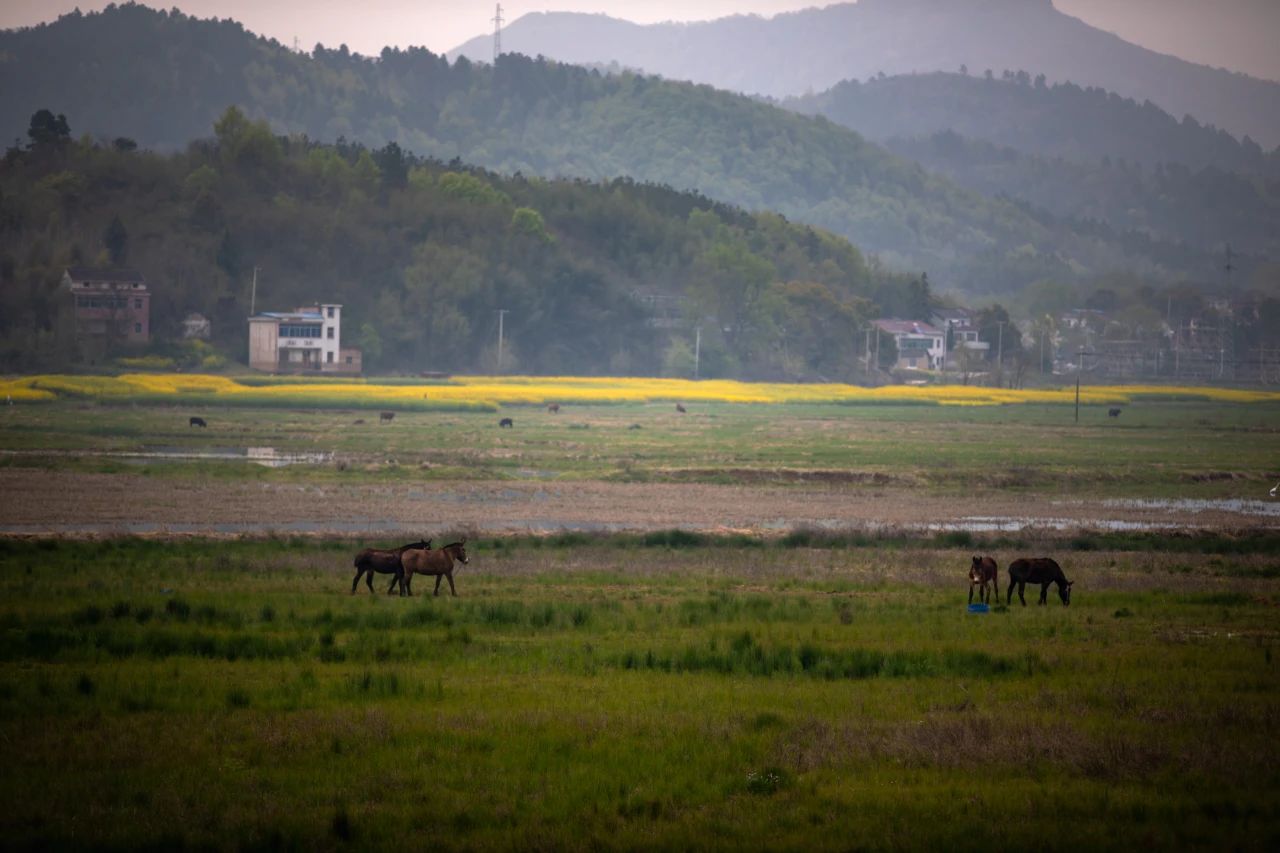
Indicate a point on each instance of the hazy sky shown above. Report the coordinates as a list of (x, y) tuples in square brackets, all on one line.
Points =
[(1237, 34)]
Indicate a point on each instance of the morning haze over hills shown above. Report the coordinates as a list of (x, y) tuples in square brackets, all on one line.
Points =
[(994, 185), (811, 50)]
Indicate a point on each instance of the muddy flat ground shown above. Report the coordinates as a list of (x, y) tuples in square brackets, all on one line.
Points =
[(67, 503)]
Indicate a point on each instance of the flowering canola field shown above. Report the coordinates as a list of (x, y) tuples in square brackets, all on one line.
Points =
[(487, 393)]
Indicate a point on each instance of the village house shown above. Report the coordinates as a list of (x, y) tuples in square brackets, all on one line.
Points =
[(959, 326), (306, 340), (111, 307), (920, 345)]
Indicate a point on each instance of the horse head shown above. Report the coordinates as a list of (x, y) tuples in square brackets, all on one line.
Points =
[(458, 551), (975, 571), (1064, 591)]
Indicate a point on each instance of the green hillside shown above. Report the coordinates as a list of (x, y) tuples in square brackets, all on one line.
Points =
[(607, 277), (162, 78), (1052, 120)]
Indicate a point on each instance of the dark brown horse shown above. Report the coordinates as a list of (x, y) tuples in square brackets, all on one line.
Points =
[(984, 571), (1039, 570), (424, 561), (383, 561)]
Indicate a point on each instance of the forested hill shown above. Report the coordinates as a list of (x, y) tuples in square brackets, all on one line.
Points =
[(813, 49), (1033, 116), (1080, 153), (595, 278), (162, 78)]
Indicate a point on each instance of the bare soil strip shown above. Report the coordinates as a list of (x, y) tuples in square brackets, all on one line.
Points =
[(67, 503)]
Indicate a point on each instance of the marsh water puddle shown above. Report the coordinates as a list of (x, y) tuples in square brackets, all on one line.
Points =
[(1269, 509), (268, 457)]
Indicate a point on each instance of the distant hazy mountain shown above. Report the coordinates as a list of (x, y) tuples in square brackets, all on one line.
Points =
[(812, 50), (163, 78), (1079, 153), (1050, 120)]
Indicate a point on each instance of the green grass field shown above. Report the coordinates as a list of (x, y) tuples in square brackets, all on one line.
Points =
[(583, 693), (1154, 449), (813, 689)]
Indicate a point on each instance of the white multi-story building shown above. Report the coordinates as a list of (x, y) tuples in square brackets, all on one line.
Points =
[(309, 339), (920, 345)]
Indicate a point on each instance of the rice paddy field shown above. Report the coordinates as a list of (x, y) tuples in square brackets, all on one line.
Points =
[(644, 684)]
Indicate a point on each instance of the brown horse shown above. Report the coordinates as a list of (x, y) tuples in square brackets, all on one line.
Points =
[(383, 561), (1039, 570), (982, 572), (424, 561)]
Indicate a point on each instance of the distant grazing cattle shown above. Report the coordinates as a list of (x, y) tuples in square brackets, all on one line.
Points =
[(386, 416), (635, 426), (984, 571), (358, 421), (554, 408), (197, 422), (680, 408), (1113, 413), (506, 422), (1039, 570)]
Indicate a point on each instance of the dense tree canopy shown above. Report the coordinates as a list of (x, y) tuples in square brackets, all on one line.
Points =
[(595, 277)]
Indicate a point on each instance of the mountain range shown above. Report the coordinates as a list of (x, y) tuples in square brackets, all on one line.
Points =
[(162, 78), (812, 50)]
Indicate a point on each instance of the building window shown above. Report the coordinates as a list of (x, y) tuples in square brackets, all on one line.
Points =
[(137, 303), (330, 310), (349, 361), (329, 357), (329, 333), (137, 328)]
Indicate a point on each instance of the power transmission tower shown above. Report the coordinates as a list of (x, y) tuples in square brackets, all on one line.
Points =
[(497, 34)]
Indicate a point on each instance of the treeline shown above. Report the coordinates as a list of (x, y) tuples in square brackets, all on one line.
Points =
[(596, 277), (162, 78)]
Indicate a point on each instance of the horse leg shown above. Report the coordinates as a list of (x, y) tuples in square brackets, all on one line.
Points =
[(449, 575), (407, 583), (1044, 593), (355, 582), (438, 578), (986, 593), (1022, 588), (995, 581), (971, 593)]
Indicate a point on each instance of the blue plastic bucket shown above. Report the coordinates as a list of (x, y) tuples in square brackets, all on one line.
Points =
[(978, 608)]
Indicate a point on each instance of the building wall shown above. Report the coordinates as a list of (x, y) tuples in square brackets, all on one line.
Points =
[(119, 311), (264, 344)]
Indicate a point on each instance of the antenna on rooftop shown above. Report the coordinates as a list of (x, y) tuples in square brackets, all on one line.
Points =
[(497, 34)]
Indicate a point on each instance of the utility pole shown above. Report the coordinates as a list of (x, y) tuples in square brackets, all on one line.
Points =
[(501, 313), (253, 293), (497, 34), (1080, 354), (697, 350)]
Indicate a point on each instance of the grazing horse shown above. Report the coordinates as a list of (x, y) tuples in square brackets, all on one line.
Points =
[(424, 561), (1039, 570), (554, 408), (680, 408), (383, 561), (385, 417), (506, 423), (195, 421), (982, 572), (1113, 413)]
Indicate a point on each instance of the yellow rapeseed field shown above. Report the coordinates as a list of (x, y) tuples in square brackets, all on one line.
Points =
[(491, 392)]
